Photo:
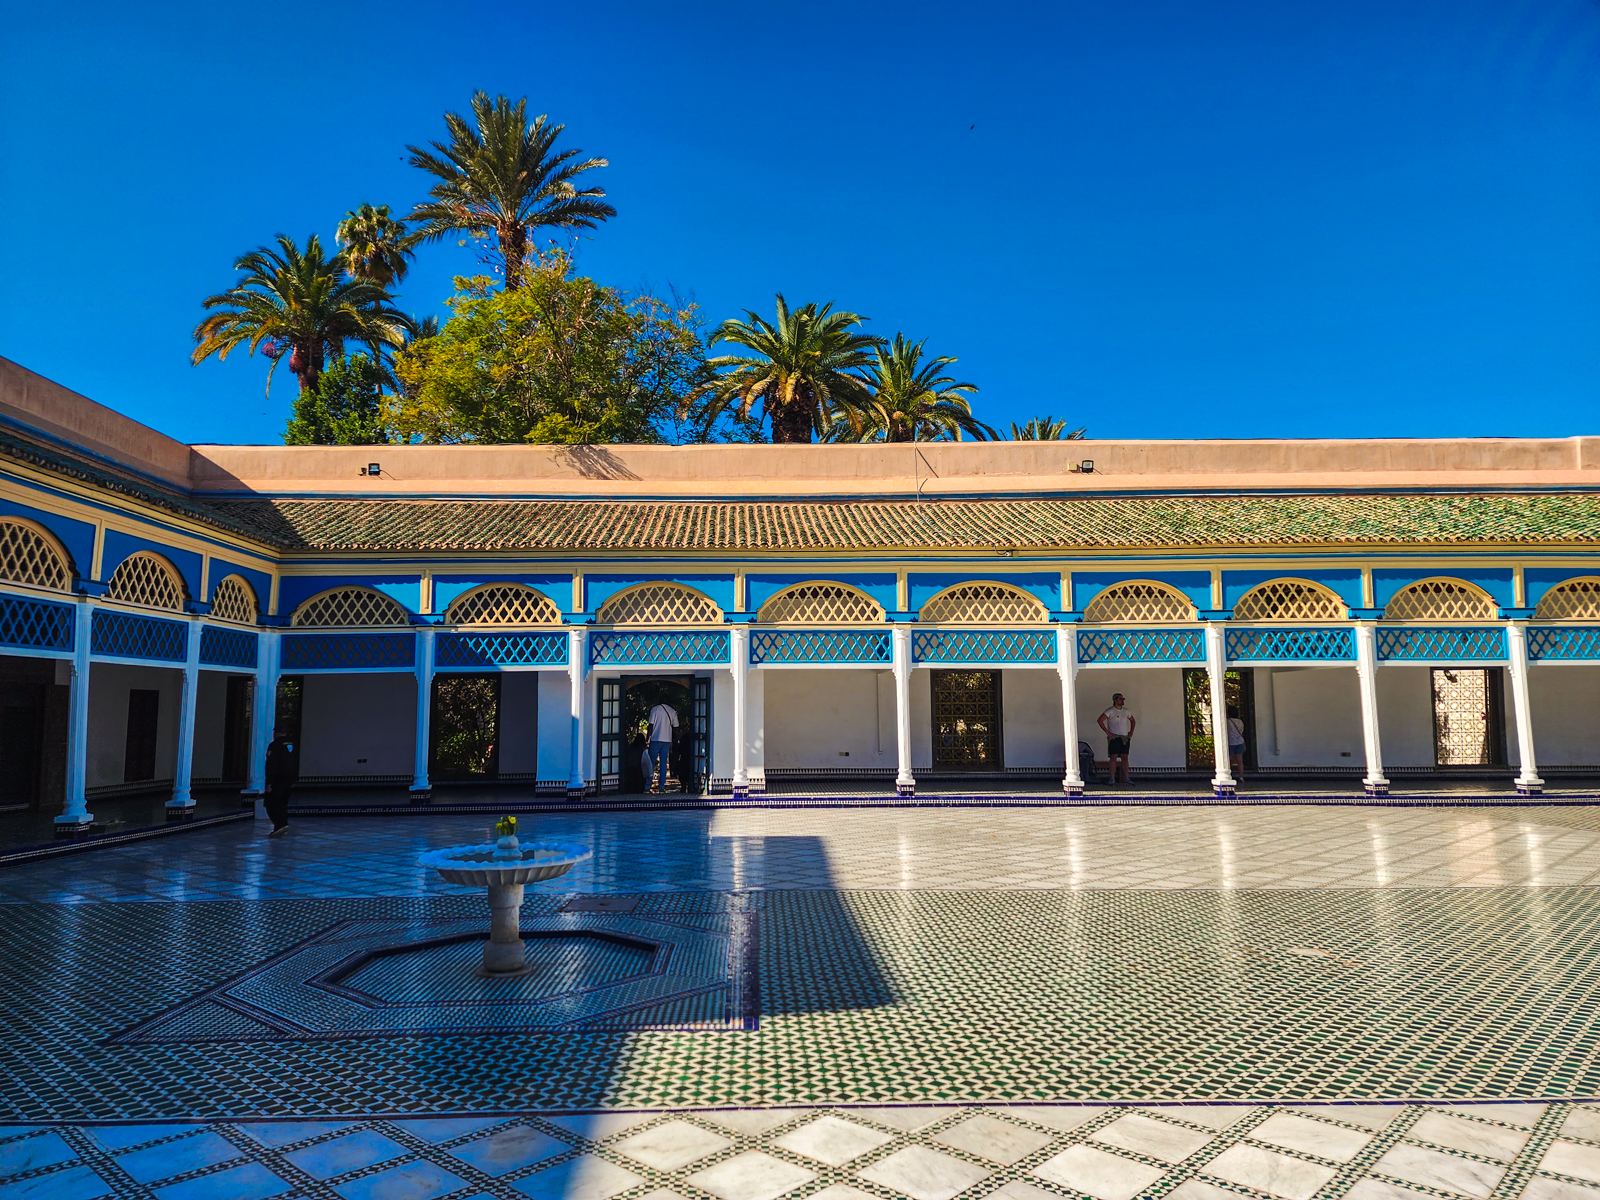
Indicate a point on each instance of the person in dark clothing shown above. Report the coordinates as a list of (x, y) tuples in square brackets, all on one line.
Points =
[(283, 770)]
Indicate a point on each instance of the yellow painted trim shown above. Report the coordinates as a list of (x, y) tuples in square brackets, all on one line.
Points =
[(1216, 587), (740, 596), (425, 594), (577, 591), (99, 551), (1519, 588), (272, 597), (902, 590), (205, 577), (1369, 593)]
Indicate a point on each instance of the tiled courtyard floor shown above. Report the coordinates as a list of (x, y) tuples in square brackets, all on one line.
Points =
[(1304, 1002)]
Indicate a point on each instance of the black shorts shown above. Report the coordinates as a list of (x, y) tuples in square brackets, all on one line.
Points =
[(1116, 746)]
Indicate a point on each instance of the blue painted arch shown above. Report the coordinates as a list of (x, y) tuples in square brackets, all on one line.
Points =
[(448, 588), (1496, 581), (1195, 585), (1344, 582), (597, 589), (882, 586), (1043, 586), (119, 547), (76, 537), (295, 590)]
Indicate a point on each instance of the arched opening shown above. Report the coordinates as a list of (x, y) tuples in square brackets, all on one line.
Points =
[(821, 603), (503, 604), (349, 607), (1138, 601), (148, 580), (984, 603), (30, 555), (659, 604), (1441, 600), (235, 600), (1290, 600)]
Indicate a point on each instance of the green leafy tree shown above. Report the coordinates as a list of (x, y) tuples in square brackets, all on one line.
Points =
[(801, 370), (503, 179), (375, 245), (911, 401), (300, 303), (1046, 429), (558, 360), (344, 409)]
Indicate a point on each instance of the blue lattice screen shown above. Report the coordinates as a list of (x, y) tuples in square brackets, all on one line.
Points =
[(651, 649), (983, 645), (821, 646), (348, 651), (129, 636), (1566, 644), (35, 624), (499, 650), (223, 647), (1444, 643), (1290, 645), (1141, 645)]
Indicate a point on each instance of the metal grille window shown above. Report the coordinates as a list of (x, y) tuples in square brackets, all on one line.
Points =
[(659, 604), (1441, 600), (1466, 718), (349, 607), (1575, 600), (966, 719), (983, 604), (146, 579), (610, 733), (1137, 602), (503, 604), (822, 604), (234, 600), (700, 733), (1289, 600), (28, 556)]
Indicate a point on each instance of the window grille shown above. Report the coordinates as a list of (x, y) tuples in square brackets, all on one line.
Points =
[(1575, 600), (1131, 603), (146, 579), (1289, 600), (822, 604), (983, 604), (1441, 600), (234, 600), (659, 604), (503, 604), (28, 556), (349, 607)]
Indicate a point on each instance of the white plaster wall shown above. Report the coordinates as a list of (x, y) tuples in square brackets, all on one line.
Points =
[(826, 719), (1565, 703), (347, 718), (755, 740), (555, 725), (1155, 697), (1317, 711), (109, 685), (1405, 716), (722, 723), (210, 724), (1030, 708), (921, 720), (519, 721)]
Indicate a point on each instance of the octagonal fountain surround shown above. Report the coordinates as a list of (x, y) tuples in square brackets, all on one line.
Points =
[(505, 867)]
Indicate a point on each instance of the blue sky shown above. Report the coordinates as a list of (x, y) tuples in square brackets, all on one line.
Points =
[(1153, 217)]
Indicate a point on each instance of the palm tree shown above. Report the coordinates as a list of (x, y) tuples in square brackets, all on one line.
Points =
[(803, 377), (375, 245), (502, 178), (912, 401), (1046, 429), (299, 302)]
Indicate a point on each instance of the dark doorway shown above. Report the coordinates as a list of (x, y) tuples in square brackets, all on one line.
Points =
[(1239, 688), (640, 694), (465, 727), (25, 688), (139, 756), (1468, 718), (967, 720), (236, 728)]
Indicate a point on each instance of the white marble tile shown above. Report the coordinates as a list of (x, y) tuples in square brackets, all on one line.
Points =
[(905, 1119), (1368, 1116), (1507, 1114), (1061, 1117), (991, 1138), (751, 1176), (584, 1178), (1378, 1189), (1294, 1132), (1432, 1168), (1540, 1188), (1198, 1189), (832, 1140), (1152, 1138), (599, 1126), (1268, 1171), (670, 1146), (669, 1194), (1582, 1123), (1471, 1137), (1018, 1190), (1099, 1174), (924, 1174), (752, 1122), (1212, 1116), (1569, 1158)]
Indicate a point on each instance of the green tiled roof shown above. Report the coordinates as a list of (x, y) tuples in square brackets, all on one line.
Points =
[(1064, 524)]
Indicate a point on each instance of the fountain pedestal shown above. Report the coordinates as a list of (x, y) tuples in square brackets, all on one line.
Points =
[(503, 951)]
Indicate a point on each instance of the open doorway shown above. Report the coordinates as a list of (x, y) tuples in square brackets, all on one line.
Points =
[(1199, 745), (1468, 718), (967, 721), (465, 727)]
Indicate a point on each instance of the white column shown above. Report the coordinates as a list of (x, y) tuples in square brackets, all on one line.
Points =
[(421, 787), (1367, 674), (1528, 781), (739, 664), (577, 672), (182, 800), (905, 783), (1223, 785), (265, 713), (1067, 667), (75, 812)]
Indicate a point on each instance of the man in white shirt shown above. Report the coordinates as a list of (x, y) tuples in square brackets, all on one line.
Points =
[(663, 720), (1118, 723)]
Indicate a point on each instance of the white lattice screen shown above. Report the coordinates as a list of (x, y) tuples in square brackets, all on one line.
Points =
[(821, 604), (27, 556), (1575, 600), (1127, 603), (148, 580), (346, 607), (1289, 600), (503, 604), (983, 604), (234, 600), (1440, 600), (659, 604)]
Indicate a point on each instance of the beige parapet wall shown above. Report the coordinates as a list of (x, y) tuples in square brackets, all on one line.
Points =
[(767, 472)]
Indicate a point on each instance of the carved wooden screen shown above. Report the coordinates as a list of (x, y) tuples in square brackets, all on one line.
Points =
[(28, 556), (659, 604), (234, 600), (503, 604), (1138, 602), (1441, 600), (1289, 600), (984, 604), (146, 579), (821, 604), (346, 607), (1575, 600)]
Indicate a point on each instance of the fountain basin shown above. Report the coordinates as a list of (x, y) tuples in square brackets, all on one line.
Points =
[(503, 868)]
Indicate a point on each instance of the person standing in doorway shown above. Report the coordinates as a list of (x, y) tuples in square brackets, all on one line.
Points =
[(1235, 741), (663, 720), (283, 772), (1118, 724)]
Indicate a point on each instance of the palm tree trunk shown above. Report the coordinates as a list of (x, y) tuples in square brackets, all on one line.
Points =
[(791, 424), (513, 245)]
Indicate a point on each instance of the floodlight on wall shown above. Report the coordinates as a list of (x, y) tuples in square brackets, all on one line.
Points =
[(1087, 465), (372, 469)]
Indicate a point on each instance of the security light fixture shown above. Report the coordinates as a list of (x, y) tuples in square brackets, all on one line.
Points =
[(374, 469), (1087, 465)]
